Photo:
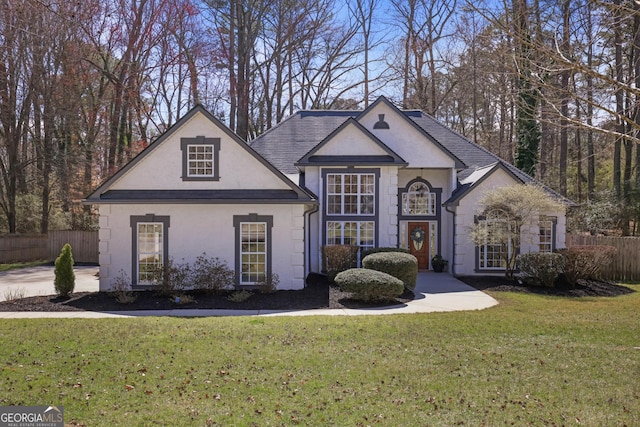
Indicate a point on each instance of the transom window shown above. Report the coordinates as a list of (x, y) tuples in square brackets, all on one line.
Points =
[(253, 252), (418, 200), (350, 194), (199, 160), (150, 251)]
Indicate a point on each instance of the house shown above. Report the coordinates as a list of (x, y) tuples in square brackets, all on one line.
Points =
[(381, 177)]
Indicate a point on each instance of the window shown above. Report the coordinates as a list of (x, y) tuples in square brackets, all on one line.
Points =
[(200, 158), (253, 248), (355, 233), (350, 194), (547, 234), (351, 207), (253, 252), (498, 245), (150, 247), (418, 200), (150, 251)]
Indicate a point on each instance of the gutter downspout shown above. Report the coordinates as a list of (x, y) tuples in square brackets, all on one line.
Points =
[(307, 238), (455, 227)]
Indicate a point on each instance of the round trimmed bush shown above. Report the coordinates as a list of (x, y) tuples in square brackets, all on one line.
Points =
[(383, 249), (401, 265), (369, 285)]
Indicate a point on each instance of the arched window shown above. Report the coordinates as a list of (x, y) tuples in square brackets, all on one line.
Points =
[(419, 200)]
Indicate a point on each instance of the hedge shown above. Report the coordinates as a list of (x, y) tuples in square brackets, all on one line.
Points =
[(401, 265), (369, 285)]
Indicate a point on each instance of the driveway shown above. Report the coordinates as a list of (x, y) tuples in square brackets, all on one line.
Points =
[(34, 281)]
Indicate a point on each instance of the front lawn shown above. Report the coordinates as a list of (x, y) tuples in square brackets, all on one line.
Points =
[(532, 360)]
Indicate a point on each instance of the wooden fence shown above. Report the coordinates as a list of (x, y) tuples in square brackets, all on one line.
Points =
[(626, 265), (84, 245)]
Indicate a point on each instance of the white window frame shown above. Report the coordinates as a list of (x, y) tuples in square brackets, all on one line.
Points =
[(364, 233), (487, 262), (253, 270), (416, 198), (200, 158), (546, 234), (142, 251), (194, 163), (340, 192)]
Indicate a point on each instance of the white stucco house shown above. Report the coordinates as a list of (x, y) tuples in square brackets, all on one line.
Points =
[(381, 177)]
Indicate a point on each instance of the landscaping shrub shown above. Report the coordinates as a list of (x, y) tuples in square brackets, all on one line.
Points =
[(172, 277), (65, 278), (212, 275), (586, 262), (269, 285), (540, 268), (239, 296), (403, 266), (121, 289), (369, 285), (338, 258), (378, 250)]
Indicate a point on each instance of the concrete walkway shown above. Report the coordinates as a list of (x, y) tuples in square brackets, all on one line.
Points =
[(435, 292)]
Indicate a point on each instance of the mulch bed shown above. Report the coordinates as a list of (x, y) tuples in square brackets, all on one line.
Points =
[(583, 288), (317, 294)]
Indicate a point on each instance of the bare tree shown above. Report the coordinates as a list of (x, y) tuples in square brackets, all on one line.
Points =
[(424, 25)]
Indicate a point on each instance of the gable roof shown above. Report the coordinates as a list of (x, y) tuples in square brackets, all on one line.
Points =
[(475, 178), (103, 194), (289, 141), (390, 157), (407, 116)]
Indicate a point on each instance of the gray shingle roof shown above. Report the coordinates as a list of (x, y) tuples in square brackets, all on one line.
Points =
[(289, 141), (285, 144)]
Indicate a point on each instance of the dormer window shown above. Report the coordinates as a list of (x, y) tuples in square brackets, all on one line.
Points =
[(200, 159)]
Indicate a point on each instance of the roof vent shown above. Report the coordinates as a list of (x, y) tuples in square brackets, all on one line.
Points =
[(381, 124)]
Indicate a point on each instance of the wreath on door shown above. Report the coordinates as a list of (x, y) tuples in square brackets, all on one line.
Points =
[(418, 235)]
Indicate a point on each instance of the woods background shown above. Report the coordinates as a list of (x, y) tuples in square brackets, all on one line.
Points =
[(552, 86)]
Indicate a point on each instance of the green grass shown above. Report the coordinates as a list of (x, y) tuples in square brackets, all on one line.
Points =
[(18, 265), (532, 360)]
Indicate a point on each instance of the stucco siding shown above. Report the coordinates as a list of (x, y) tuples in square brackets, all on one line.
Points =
[(198, 229), (405, 140), (162, 167), (350, 141), (465, 250)]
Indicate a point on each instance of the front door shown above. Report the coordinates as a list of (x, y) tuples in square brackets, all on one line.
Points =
[(419, 243)]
